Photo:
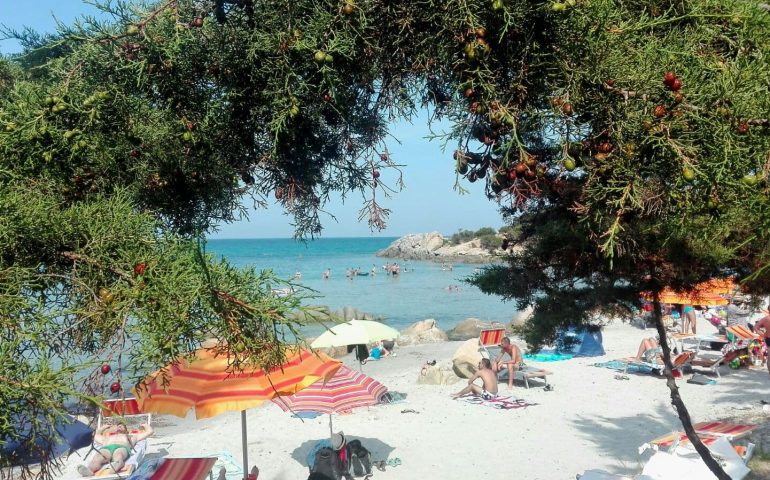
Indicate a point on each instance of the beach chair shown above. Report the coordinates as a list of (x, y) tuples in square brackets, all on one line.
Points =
[(710, 363), (709, 433), (181, 468), (525, 374), (679, 362), (126, 410), (490, 338)]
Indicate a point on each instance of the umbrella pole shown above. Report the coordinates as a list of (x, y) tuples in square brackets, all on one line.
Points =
[(244, 445), (331, 431)]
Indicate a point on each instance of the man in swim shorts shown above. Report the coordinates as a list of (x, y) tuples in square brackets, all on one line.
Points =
[(515, 363), (116, 445), (488, 390)]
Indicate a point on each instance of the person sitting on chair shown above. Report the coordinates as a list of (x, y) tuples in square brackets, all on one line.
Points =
[(116, 445), (515, 363), (489, 381)]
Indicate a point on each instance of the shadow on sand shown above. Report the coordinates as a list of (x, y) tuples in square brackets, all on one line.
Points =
[(379, 449)]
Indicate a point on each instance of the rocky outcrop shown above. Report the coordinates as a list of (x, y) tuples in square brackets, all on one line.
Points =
[(433, 246), (466, 359), (348, 313), (520, 318), (425, 331), (437, 375), (334, 352), (469, 328)]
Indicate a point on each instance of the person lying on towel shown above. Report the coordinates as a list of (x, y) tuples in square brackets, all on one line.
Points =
[(116, 445), (488, 390)]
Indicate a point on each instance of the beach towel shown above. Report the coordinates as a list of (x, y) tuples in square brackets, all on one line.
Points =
[(621, 366), (501, 403)]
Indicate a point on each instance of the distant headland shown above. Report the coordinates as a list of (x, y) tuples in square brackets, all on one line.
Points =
[(483, 246)]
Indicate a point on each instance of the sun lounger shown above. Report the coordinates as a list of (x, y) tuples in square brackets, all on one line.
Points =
[(490, 338), (709, 433), (708, 362), (678, 362), (184, 468), (127, 410), (684, 463), (525, 374)]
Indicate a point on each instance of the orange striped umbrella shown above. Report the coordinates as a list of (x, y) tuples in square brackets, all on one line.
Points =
[(688, 298), (718, 286), (206, 384)]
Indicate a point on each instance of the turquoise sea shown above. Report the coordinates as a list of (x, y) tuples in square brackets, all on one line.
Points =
[(418, 293)]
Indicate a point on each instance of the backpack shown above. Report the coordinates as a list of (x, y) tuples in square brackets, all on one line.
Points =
[(360, 459), (362, 352), (323, 463)]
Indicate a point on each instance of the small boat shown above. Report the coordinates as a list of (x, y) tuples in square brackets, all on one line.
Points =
[(362, 274)]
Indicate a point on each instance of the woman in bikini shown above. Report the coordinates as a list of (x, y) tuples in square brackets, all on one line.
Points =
[(116, 445)]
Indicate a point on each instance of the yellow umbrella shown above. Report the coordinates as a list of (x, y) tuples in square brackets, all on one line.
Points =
[(205, 384), (718, 286)]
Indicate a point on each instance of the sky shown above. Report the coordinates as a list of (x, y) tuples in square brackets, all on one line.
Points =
[(428, 202)]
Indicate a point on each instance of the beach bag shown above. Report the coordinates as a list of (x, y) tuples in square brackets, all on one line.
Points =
[(360, 459), (362, 352), (323, 463)]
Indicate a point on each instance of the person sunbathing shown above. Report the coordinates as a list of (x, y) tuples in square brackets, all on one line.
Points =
[(116, 445), (515, 363), (488, 390)]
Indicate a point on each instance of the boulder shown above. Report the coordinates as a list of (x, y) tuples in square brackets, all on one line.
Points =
[(472, 248), (466, 358), (437, 375), (468, 328), (425, 331), (348, 313)]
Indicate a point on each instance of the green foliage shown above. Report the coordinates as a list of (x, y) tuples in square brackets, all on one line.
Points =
[(123, 141)]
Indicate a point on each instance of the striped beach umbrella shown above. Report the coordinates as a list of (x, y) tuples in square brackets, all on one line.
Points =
[(206, 385), (346, 390)]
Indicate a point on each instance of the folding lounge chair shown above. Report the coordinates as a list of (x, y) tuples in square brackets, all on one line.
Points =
[(525, 373), (490, 338), (128, 410), (707, 362), (678, 362), (181, 468), (709, 433)]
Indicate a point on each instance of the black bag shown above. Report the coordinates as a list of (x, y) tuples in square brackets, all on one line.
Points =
[(360, 459), (362, 352), (323, 464)]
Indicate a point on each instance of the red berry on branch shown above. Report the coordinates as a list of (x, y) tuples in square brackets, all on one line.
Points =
[(610, 82), (469, 93), (326, 97), (669, 78), (115, 387), (743, 128), (105, 369), (139, 268), (376, 174), (567, 109), (676, 84), (660, 111), (384, 157)]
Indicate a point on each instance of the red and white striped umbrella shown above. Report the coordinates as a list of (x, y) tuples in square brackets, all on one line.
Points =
[(346, 390)]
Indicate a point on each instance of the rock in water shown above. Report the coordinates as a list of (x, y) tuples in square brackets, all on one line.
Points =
[(425, 331), (466, 358)]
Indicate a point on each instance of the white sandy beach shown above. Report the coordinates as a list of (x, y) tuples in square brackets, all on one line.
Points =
[(589, 420)]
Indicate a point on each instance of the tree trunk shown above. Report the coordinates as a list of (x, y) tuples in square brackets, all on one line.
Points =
[(676, 399)]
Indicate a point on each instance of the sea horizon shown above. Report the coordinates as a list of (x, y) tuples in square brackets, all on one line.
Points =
[(423, 290)]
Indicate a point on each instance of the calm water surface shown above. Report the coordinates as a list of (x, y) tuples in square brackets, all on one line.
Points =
[(418, 293)]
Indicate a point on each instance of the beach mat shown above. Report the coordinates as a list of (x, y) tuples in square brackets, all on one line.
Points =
[(500, 403), (621, 366)]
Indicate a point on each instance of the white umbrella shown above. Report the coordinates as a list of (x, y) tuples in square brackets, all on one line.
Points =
[(354, 332)]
